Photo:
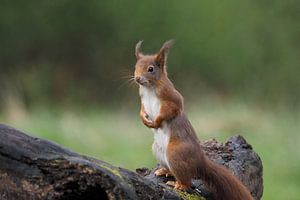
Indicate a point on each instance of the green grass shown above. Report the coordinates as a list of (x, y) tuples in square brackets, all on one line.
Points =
[(121, 139)]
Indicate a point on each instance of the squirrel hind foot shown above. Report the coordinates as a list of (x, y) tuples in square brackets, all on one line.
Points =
[(171, 183), (178, 185), (181, 186), (163, 172)]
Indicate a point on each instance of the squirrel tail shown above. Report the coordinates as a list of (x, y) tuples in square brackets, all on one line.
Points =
[(224, 184)]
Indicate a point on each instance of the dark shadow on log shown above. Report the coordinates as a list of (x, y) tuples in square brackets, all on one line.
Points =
[(33, 168)]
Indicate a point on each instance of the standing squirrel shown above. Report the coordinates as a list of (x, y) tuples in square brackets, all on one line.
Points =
[(176, 145)]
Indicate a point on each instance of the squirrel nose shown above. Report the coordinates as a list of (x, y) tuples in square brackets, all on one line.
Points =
[(138, 79)]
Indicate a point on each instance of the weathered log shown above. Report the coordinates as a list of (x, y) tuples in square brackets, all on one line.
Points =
[(33, 168)]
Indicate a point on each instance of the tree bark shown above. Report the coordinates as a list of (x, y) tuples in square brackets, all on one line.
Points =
[(33, 168)]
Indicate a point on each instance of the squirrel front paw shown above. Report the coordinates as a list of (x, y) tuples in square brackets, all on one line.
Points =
[(148, 122)]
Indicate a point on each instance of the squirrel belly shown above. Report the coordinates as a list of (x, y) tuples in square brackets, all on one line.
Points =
[(152, 105), (160, 145)]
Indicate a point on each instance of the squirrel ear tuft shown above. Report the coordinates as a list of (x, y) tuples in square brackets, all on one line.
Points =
[(138, 50), (161, 58)]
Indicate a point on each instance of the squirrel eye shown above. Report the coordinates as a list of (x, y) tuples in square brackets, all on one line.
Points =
[(150, 68)]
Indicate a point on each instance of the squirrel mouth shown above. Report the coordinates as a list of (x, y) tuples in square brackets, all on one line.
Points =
[(141, 81)]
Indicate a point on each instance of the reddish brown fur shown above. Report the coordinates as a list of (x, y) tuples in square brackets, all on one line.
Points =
[(185, 156)]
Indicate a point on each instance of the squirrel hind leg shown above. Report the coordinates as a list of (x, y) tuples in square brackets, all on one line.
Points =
[(181, 166)]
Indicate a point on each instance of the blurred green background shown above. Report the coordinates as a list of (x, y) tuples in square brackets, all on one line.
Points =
[(65, 66)]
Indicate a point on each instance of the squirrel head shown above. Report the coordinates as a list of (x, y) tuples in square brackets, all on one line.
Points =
[(150, 68)]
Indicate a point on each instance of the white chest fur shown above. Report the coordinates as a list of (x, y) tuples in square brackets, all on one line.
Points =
[(150, 101), (151, 105)]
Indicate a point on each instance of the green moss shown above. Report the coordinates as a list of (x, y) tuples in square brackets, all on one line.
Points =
[(114, 171), (57, 162), (187, 196)]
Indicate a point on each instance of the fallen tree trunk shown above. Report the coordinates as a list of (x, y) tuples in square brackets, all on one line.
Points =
[(33, 168)]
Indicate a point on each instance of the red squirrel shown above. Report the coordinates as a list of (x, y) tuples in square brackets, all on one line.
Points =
[(176, 145)]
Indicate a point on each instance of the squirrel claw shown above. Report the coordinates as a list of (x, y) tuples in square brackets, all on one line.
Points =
[(146, 116)]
